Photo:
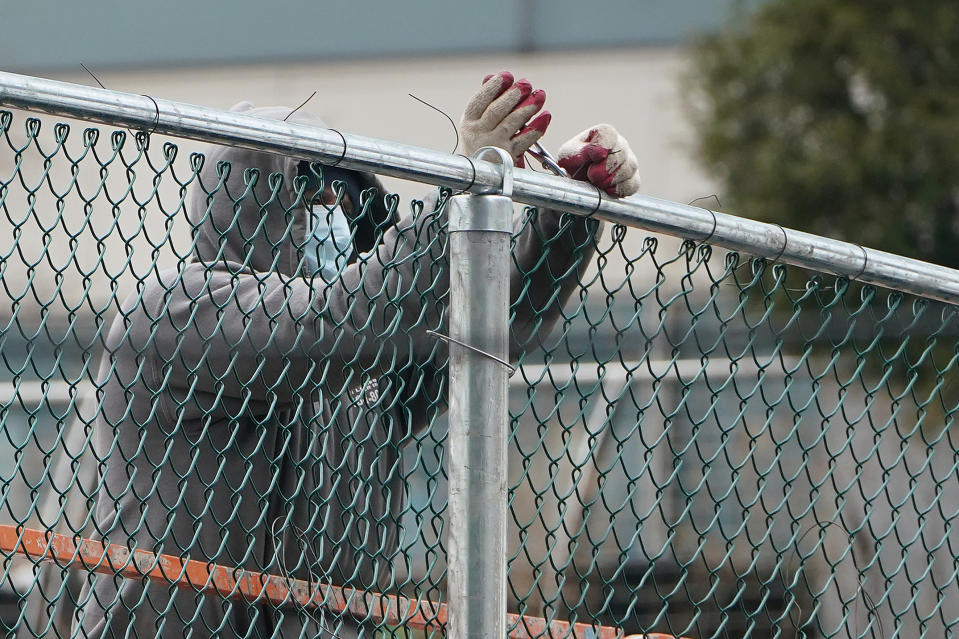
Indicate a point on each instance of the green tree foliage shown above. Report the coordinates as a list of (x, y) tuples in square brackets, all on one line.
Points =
[(838, 117)]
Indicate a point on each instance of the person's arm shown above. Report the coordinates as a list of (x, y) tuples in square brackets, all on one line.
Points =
[(551, 250), (267, 338)]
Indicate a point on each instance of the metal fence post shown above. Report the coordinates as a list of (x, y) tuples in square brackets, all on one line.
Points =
[(479, 229)]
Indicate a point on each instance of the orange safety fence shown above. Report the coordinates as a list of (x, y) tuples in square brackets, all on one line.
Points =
[(257, 587)]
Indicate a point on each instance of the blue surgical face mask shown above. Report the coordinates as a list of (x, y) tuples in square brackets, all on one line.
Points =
[(329, 244)]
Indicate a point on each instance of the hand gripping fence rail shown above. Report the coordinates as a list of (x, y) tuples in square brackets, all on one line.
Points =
[(467, 419)]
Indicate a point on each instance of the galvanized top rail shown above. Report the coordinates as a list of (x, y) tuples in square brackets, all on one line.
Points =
[(434, 167)]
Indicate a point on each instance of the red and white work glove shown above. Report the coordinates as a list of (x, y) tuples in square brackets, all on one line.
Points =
[(498, 114), (601, 156)]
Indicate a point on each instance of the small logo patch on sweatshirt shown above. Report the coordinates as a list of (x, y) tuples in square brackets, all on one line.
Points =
[(366, 394)]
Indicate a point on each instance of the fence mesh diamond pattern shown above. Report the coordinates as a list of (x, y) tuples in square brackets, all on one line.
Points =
[(702, 444)]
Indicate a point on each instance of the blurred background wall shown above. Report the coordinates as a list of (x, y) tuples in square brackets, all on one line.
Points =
[(614, 61)]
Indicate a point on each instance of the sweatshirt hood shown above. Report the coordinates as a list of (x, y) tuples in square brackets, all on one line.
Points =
[(246, 211)]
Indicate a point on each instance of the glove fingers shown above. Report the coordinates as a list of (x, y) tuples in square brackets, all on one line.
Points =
[(624, 174), (504, 105), (601, 156), (623, 179), (573, 165), (615, 167), (626, 187), (576, 157), (523, 111), (530, 134), (532, 131), (602, 135), (493, 87), (626, 170), (599, 175)]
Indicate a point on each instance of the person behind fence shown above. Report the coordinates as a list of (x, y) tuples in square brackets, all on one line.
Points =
[(254, 401)]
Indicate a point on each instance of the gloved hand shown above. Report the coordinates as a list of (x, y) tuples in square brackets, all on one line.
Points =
[(600, 155), (495, 115)]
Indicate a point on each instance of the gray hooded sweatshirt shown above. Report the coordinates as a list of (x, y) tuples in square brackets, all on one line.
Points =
[(253, 416)]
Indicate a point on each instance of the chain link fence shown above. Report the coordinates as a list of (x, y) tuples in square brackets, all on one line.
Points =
[(702, 444)]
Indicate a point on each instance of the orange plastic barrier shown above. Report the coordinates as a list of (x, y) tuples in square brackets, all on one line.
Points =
[(258, 587)]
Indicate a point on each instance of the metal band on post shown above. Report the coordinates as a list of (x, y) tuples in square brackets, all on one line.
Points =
[(480, 228)]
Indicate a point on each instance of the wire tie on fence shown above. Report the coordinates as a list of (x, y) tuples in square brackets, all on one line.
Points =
[(473, 180), (446, 115), (599, 192), (156, 120), (712, 232), (302, 104), (342, 137), (156, 107), (865, 262), (785, 243), (92, 76), (706, 197), (447, 338), (711, 212)]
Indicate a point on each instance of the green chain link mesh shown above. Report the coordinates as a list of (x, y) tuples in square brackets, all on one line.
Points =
[(704, 445)]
